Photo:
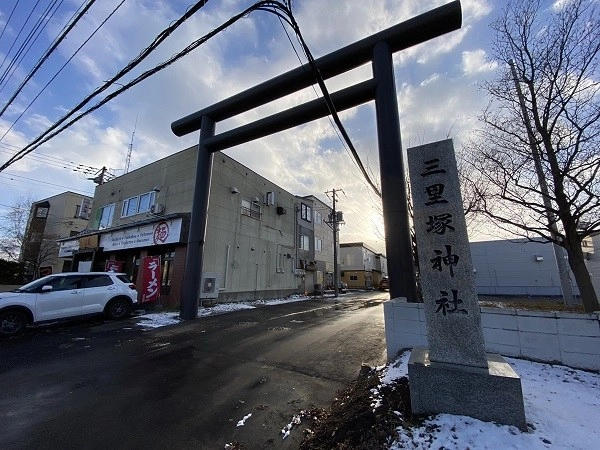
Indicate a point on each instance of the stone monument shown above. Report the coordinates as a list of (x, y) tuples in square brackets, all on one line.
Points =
[(454, 374)]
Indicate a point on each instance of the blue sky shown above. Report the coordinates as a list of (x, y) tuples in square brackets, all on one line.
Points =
[(436, 86)]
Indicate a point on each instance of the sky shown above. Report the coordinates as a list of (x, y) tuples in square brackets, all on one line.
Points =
[(562, 405), (437, 89)]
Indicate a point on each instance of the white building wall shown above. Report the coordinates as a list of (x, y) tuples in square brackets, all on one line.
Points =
[(516, 267)]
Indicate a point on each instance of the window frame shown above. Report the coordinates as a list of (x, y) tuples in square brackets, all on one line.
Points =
[(111, 215), (318, 217), (318, 244), (304, 242), (250, 208), (128, 211), (305, 212)]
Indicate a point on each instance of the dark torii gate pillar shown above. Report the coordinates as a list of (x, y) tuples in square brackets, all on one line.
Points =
[(377, 49)]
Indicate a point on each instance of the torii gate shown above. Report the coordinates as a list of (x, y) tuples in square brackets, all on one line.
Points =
[(378, 49)]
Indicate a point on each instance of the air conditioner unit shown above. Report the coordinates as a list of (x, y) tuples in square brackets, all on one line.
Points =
[(209, 287), (157, 208)]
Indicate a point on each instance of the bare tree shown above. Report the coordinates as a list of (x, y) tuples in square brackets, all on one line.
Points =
[(555, 53), (12, 227), (44, 255)]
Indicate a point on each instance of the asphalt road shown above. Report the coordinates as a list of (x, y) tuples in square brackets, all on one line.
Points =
[(96, 384)]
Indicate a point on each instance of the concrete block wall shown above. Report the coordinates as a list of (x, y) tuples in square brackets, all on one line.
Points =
[(553, 337)]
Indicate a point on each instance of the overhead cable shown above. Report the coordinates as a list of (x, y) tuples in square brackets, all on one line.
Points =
[(45, 136), (61, 69), (8, 20), (263, 5), (66, 30), (31, 38)]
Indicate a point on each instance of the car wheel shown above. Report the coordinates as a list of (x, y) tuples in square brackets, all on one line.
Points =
[(12, 322), (118, 308)]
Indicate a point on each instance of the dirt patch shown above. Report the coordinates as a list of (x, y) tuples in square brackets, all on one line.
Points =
[(363, 416), (529, 303)]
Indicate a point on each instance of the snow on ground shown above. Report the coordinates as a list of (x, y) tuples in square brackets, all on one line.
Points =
[(562, 407), (161, 319)]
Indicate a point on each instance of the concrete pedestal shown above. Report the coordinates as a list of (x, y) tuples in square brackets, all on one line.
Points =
[(493, 394)]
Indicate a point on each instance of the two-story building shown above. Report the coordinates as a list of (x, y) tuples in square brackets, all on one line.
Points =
[(361, 266), (50, 219), (256, 239)]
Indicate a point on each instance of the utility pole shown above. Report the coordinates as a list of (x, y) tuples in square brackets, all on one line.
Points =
[(99, 178), (559, 254), (334, 222)]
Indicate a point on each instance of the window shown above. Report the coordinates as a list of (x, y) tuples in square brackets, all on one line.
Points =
[(305, 212), (77, 210), (250, 209), (318, 218), (92, 281), (138, 204), (129, 207), (41, 212), (304, 242), (318, 245), (106, 214), (353, 277), (146, 202), (167, 258)]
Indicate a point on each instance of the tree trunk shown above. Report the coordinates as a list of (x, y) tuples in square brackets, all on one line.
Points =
[(584, 281)]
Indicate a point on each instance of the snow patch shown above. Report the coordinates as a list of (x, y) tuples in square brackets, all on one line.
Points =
[(562, 408), (242, 422)]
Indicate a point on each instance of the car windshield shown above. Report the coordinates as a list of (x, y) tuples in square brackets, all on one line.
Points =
[(34, 285)]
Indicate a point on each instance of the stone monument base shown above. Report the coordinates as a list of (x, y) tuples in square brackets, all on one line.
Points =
[(493, 394)]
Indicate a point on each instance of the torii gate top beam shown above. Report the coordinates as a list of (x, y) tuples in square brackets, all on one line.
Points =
[(419, 29)]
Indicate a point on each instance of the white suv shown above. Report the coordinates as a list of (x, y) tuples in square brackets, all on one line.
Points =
[(66, 295)]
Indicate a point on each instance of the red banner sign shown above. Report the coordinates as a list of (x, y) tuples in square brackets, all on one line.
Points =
[(114, 266), (150, 278)]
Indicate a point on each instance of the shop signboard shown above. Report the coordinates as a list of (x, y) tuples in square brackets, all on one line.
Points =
[(114, 266), (87, 242), (150, 278), (67, 248), (163, 232)]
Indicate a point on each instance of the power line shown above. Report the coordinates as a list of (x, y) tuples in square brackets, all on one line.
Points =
[(47, 135), (57, 162), (74, 19), (11, 175), (9, 18), (60, 70), (264, 6), (326, 95), (19, 33), (31, 38), (355, 158)]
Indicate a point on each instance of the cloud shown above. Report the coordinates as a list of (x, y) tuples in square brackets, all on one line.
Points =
[(475, 62), (435, 98)]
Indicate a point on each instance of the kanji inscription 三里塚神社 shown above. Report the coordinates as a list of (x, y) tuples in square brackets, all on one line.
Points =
[(445, 267)]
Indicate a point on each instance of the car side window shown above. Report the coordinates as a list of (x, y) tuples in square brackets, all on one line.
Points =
[(92, 281), (63, 283), (56, 283), (71, 283)]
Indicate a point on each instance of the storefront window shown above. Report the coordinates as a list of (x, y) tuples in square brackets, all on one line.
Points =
[(167, 270)]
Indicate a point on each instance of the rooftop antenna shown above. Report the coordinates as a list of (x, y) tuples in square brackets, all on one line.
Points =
[(130, 148)]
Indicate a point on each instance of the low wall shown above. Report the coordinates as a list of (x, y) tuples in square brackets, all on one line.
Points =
[(554, 337), (9, 287)]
